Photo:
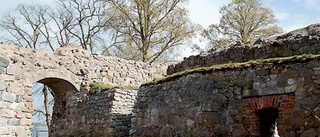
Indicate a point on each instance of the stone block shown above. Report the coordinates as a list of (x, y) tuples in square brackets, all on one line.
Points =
[(220, 131), (238, 131), (7, 96), (4, 131), (290, 89), (297, 120), (190, 123), (11, 71), (8, 113), (1, 70), (175, 120), (2, 85), (19, 114), (13, 87), (13, 122), (167, 131), (2, 105), (25, 122), (4, 62), (210, 119), (9, 78), (3, 122), (20, 131), (262, 72), (316, 70), (309, 133)]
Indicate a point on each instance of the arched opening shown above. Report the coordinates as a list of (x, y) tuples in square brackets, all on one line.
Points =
[(43, 102), (53, 101), (267, 121)]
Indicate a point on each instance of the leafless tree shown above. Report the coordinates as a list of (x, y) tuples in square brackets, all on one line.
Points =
[(147, 30), (68, 22)]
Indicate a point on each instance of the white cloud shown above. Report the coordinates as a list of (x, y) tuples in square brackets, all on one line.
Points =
[(205, 12)]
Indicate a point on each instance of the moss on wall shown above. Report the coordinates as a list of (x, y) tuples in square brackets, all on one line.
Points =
[(250, 63)]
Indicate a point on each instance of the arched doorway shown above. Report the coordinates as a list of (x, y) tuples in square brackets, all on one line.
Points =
[(63, 110)]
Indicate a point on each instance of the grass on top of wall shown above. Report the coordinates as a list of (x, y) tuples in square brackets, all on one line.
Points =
[(250, 63), (104, 86)]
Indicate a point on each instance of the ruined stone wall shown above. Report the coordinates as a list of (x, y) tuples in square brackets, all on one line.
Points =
[(238, 99), (68, 72), (225, 102), (301, 41), (106, 113)]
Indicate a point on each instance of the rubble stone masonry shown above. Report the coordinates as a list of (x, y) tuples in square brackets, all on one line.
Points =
[(238, 99), (244, 90), (68, 71)]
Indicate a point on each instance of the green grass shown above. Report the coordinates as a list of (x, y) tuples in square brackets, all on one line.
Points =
[(103, 86), (257, 62)]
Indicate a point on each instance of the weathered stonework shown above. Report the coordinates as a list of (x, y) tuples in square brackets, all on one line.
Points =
[(235, 100), (238, 101), (107, 113), (300, 41), (68, 72)]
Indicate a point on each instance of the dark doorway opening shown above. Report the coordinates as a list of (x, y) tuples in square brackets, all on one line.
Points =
[(267, 119)]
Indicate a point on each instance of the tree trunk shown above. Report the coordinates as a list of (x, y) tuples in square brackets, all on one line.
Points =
[(46, 106)]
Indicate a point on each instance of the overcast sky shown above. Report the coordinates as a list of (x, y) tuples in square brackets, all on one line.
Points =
[(291, 14)]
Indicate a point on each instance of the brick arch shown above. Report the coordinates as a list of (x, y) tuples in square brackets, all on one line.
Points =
[(284, 103), (266, 102)]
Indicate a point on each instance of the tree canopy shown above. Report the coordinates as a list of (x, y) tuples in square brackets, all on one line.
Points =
[(147, 30), (143, 30), (66, 22), (244, 21)]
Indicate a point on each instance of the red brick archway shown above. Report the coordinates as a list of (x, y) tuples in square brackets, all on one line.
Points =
[(284, 103)]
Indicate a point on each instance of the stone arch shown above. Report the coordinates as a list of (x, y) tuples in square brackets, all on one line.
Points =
[(45, 76), (65, 95), (66, 88)]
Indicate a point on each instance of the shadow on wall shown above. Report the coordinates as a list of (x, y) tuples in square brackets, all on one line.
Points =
[(115, 125)]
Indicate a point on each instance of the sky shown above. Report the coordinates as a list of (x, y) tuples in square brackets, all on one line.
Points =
[(291, 14)]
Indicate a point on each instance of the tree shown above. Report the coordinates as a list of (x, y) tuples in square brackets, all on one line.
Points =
[(244, 21), (68, 22), (42, 112), (148, 30), (24, 25)]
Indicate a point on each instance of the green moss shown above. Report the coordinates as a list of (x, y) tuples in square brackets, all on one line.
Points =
[(104, 86), (101, 86), (257, 62)]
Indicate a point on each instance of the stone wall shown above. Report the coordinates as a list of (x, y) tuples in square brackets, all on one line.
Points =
[(68, 72), (300, 41), (225, 102), (106, 113), (238, 99)]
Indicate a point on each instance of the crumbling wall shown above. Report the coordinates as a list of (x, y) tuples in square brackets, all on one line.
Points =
[(227, 100), (301, 41), (69, 71), (106, 113), (224, 102)]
